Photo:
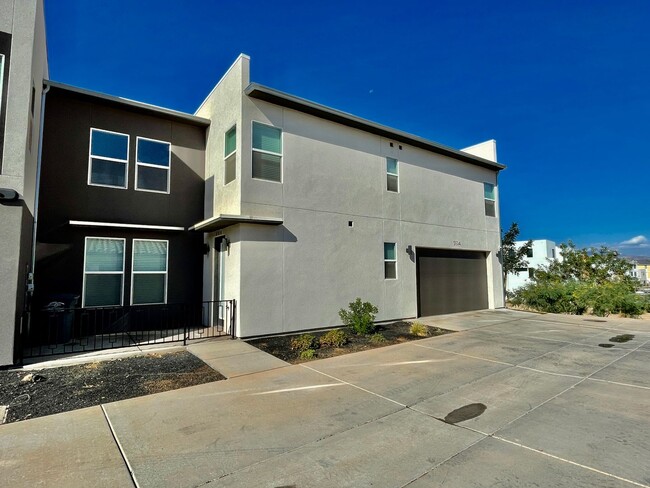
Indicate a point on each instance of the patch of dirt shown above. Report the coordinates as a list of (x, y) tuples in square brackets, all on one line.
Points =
[(57, 390), (395, 333)]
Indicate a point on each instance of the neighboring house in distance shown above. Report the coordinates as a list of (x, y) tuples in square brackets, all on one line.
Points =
[(640, 272), (23, 66), (290, 208), (542, 251)]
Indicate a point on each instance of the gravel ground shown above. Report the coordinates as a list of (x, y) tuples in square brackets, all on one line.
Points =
[(56, 390), (395, 333)]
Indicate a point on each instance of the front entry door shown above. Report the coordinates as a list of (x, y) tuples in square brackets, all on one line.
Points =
[(218, 312)]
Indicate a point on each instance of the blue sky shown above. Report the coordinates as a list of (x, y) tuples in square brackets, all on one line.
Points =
[(564, 87)]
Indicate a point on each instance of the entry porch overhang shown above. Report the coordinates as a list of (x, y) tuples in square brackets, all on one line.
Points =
[(222, 221)]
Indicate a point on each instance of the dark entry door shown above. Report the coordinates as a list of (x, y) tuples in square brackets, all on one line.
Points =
[(451, 281)]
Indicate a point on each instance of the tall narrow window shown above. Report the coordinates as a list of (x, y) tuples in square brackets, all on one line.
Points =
[(267, 152), (2, 77), (230, 156), (490, 203), (149, 278), (390, 261), (103, 272), (109, 158), (152, 165), (392, 175), (529, 253)]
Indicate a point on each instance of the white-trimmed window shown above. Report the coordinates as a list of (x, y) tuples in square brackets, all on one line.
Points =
[(149, 274), (490, 200), (230, 156), (390, 261), (2, 77), (109, 158), (267, 152), (152, 161), (103, 279), (392, 175)]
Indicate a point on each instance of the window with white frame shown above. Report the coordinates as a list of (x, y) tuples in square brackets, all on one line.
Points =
[(2, 77), (490, 201), (230, 156), (267, 152), (103, 279), (149, 274), (390, 261), (392, 175), (152, 160), (109, 158)]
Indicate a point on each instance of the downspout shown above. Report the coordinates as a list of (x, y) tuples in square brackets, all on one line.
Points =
[(37, 188)]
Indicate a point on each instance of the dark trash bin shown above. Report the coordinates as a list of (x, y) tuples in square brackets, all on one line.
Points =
[(58, 317)]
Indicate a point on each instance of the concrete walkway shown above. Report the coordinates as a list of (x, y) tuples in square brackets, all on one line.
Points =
[(535, 400)]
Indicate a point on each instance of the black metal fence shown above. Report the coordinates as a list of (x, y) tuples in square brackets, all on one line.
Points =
[(61, 330)]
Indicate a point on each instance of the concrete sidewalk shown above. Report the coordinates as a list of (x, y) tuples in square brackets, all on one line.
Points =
[(557, 410)]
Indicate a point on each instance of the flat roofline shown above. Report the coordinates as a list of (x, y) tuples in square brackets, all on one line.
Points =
[(167, 112), (276, 97), (222, 221)]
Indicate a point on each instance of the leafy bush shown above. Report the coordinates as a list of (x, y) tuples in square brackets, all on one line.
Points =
[(601, 299), (419, 329), (377, 338), (308, 354), (304, 342), (360, 317), (334, 338)]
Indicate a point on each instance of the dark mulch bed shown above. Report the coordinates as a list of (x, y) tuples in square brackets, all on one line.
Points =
[(395, 333), (56, 390)]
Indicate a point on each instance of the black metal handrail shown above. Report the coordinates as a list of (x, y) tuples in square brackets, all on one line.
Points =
[(64, 330)]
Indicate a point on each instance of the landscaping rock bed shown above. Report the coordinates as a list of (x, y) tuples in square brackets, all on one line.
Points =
[(35, 393), (394, 333)]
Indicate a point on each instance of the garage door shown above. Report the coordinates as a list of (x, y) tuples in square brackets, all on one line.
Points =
[(451, 281)]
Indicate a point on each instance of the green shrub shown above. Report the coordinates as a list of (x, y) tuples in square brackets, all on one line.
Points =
[(418, 329), (308, 354), (359, 317), (377, 338), (304, 342), (334, 338)]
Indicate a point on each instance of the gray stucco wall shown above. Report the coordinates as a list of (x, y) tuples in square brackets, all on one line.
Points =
[(297, 276), (23, 19)]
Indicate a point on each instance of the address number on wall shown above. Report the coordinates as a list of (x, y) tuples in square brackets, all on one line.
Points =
[(456, 243)]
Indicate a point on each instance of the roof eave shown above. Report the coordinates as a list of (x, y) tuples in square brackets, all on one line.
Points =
[(276, 97)]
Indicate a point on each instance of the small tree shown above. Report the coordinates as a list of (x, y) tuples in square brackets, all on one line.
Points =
[(513, 257)]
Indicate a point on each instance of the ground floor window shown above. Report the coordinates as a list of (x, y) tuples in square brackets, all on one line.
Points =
[(105, 267), (103, 280), (149, 277), (390, 261)]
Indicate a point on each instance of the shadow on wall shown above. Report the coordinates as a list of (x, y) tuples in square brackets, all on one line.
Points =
[(279, 234)]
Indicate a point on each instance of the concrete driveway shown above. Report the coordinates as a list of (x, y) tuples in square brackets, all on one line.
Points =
[(530, 400)]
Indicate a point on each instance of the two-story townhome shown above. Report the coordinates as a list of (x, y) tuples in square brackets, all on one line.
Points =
[(120, 184), (542, 252), (308, 207), (286, 208)]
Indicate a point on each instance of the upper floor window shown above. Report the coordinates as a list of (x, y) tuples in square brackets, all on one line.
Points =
[(529, 253), (230, 156), (267, 152), (149, 275), (109, 158), (490, 200), (103, 272), (392, 175), (390, 261), (152, 165)]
